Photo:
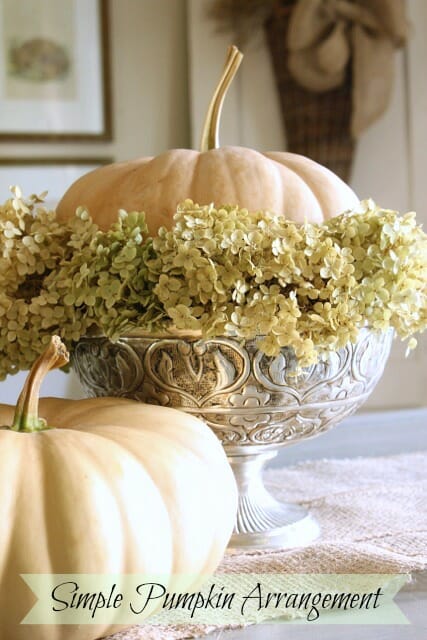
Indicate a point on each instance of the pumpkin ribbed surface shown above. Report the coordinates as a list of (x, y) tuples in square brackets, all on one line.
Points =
[(284, 183), (118, 487)]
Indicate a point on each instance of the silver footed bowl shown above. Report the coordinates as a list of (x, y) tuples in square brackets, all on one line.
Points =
[(254, 403)]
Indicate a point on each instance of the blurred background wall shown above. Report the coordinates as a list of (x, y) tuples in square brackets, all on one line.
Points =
[(165, 58)]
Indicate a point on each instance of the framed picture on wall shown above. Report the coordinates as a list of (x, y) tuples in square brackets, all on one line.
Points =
[(35, 175), (54, 70)]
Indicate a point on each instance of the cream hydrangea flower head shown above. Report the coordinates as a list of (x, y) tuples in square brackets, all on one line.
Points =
[(32, 244), (311, 287), (224, 271)]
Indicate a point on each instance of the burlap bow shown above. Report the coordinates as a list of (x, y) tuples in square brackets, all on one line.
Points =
[(324, 35)]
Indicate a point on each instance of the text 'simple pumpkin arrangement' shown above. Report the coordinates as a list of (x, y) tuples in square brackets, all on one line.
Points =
[(270, 326)]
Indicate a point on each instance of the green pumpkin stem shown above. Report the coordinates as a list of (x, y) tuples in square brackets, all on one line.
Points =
[(26, 416), (210, 139)]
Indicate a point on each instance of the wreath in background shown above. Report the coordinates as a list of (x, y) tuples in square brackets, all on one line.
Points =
[(334, 66)]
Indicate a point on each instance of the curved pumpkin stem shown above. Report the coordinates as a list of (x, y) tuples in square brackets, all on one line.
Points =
[(26, 413), (210, 138)]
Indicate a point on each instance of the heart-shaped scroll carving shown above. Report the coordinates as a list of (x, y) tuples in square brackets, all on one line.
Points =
[(196, 370)]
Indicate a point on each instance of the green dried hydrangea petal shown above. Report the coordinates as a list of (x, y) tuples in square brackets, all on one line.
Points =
[(337, 263), (224, 271)]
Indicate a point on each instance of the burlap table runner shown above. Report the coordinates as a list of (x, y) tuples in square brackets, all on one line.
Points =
[(373, 517)]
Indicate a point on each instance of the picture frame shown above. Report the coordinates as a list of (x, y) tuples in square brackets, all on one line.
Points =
[(55, 71), (54, 175)]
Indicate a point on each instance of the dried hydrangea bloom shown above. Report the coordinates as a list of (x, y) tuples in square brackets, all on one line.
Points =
[(309, 287), (224, 271), (32, 245)]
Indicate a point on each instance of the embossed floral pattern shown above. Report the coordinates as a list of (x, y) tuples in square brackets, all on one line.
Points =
[(249, 397), (240, 395)]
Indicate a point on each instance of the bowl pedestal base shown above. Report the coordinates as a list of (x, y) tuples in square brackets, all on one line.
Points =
[(262, 521)]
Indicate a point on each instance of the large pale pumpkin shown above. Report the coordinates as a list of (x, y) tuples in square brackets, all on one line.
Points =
[(284, 183), (118, 487)]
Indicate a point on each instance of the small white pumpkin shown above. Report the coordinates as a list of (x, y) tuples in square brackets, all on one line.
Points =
[(115, 487)]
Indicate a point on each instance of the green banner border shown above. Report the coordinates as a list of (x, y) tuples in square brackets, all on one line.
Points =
[(223, 599)]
